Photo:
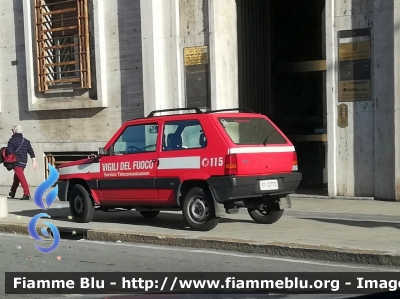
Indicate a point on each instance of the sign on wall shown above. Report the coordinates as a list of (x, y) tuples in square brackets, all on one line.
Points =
[(196, 55), (355, 65), (197, 76)]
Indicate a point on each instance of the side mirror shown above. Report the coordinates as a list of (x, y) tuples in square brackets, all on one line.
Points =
[(103, 151)]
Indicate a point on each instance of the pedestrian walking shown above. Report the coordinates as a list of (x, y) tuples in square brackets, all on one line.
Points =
[(21, 147)]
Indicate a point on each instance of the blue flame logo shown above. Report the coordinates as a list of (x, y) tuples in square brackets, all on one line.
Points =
[(35, 235), (41, 189), (38, 200)]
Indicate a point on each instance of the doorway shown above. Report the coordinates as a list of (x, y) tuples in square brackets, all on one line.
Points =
[(281, 48)]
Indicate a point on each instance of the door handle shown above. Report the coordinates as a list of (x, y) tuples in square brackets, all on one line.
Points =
[(156, 160)]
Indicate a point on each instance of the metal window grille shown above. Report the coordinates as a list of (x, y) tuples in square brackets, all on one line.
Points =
[(62, 39)]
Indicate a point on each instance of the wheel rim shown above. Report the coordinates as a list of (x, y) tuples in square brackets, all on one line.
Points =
[(264, 212), (198, 209), (79, 204)]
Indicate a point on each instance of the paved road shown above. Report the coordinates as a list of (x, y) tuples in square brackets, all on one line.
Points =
[(362, 225), (19, 255)]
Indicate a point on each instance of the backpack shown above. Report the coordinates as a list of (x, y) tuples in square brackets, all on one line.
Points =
[(10, 161)]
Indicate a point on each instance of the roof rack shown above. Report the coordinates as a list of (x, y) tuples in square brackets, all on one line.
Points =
[(232, 109), (197, 109)]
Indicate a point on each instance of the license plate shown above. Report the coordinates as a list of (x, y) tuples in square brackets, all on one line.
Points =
[(267, 185)]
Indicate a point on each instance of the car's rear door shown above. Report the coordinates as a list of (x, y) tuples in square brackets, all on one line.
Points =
[(260, 147), (181, 156)]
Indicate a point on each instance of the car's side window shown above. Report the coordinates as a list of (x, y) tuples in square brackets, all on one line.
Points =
[(137, 139), (184, 134)]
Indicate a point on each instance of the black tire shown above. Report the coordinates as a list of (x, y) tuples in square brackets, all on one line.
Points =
[(198, 210), (266, 216), (149, 214), (81, 204)]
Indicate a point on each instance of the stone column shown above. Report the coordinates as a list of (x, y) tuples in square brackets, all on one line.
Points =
[(223, 54), (363, 158), (385, 99), (331, 83), (396, 136), (162, 59)]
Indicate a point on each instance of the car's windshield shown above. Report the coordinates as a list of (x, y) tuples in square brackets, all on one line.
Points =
[(251, 130)]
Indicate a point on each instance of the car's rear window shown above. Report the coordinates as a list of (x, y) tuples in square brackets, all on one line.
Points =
[(247, 131)]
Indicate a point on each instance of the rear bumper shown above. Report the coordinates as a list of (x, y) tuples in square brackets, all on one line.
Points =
[(234, 188)]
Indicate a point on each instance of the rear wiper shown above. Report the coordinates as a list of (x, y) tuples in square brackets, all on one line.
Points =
[(266, 139)]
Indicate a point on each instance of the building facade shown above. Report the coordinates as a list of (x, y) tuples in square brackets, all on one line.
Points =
[(325, 71)]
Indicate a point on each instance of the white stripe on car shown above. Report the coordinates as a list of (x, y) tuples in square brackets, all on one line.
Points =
[(179, 163), (84, 168), (261, 149)]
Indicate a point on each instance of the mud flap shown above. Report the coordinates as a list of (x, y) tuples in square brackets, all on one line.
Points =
[(285, 203), (219, 209), (62, 190)]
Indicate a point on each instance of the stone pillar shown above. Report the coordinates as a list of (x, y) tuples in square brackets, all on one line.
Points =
[(331, 83), (223, 54), (364, 157), (384, 85), (396, 136), (162, 59)]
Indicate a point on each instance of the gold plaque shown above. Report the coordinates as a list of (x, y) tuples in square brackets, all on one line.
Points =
[(343, 116), (355, 51), (196, 55), (359, 90)]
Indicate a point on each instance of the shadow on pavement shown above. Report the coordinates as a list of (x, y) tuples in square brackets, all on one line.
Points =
[(163, 220), (357, 223)]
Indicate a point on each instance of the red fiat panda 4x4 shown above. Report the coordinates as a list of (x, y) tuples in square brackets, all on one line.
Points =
[(204, 164)]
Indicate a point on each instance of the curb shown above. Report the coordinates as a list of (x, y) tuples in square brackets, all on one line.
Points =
[(314, 196), (323, 253)]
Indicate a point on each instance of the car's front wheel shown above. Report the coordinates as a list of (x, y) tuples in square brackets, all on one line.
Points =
[(81, 204), (269, 215), (198, 210)]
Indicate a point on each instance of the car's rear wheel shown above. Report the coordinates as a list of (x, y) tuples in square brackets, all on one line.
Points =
[(81, 204), (198, 210), (268, 215), (149, 214)]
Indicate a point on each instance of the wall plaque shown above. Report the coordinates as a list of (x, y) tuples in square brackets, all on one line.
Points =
[(355, 65), (197, 77), (196, 55)]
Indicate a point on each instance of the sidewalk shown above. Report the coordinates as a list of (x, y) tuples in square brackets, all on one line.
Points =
[(362, 231)]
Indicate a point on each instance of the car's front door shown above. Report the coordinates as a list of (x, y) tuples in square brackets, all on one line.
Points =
[(127, 174)]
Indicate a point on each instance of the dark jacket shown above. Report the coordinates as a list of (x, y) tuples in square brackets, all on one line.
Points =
[(25, 148)]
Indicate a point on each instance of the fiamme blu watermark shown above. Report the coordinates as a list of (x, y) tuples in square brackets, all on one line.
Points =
[(38, 200)]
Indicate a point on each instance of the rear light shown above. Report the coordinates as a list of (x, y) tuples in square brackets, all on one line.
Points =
[(295, 166), (231, 165)]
